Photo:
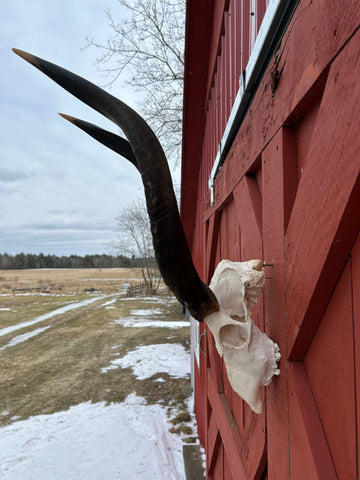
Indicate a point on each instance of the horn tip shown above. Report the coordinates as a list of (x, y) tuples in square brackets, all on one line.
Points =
[(69, 118), (26, 56)]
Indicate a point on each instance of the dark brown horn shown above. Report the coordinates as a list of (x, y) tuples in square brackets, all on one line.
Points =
[(171, 249), (109, 139)]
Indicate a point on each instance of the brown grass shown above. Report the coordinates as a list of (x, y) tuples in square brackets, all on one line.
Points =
[(61, 366), (67, 280)]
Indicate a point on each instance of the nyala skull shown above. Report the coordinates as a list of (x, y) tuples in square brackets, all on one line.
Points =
[(250, 356)]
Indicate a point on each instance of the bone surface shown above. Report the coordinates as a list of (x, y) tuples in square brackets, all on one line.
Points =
[(250, 356)]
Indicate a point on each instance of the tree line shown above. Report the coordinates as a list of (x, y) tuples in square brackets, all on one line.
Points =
[(31, 260)]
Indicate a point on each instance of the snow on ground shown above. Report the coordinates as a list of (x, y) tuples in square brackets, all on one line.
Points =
[(127, 441), (147, 312), (160, 299), (46, 316), (110, 302), (146, 360), (139, 322), (24, 337), (145, 318)]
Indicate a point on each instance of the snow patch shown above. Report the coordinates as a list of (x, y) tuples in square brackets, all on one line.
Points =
[(145, 318), (93, 442), (134, 322), (24, 337), (147, 360), (46, 316), (148, 312), (162, 300)]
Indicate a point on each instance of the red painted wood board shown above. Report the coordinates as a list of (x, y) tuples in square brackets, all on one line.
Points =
[(214, 362), (329, 365), (248, 206), (309, 453), (279, 177), (211, 245), (213, 445), (198, 33), (247, 200), (355, 272), (311, 123), (218, 473), (267, 113), (321, 230), (230, 234), (230, 436)]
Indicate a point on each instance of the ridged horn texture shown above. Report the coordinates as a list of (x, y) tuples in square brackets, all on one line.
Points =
[(171, 249)]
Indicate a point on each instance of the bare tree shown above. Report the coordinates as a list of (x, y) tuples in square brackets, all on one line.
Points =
[(146, 51), (134, 239)]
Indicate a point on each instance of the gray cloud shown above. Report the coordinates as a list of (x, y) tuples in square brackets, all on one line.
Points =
[(60, 191), (8, 175)]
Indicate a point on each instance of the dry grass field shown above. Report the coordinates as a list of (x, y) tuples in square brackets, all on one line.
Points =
[(56, 341), (67, 280)]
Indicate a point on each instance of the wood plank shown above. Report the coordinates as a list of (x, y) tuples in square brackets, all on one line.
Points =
[(199, 403), (198, 246), (248, 203), (214, 362), (228, 390), (228, 430), (248, 206), (309, 453), (213, 445), (279, 189), (248, 196), (267, 113), (355, 271), (227, 469), (254, 440), (238, 411), (217, 27), (198, 36), (324, 220), (250, 444), (230, 233), (329, 365), (211, 245), (218, 473)]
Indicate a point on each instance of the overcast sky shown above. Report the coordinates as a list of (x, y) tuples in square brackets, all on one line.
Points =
[(60, 191)]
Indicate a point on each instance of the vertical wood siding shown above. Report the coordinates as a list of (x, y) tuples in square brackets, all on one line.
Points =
[(288, 193), (241, 23)]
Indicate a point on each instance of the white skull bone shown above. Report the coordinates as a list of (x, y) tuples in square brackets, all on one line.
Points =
[(250, 356)]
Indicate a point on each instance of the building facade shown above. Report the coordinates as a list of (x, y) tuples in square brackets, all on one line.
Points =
[(271, 160)]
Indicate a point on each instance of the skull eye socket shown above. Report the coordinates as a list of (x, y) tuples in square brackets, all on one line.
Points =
[(233, 336), (248, 285)]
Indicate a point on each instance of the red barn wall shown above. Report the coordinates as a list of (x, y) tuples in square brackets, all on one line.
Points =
[(288, 193)]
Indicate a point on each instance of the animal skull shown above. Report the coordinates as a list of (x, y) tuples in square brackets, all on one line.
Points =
[(250, 356)]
